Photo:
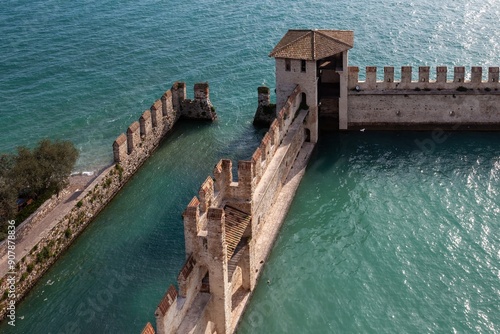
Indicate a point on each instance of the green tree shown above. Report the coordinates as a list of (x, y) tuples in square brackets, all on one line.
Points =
[(27, 173), (8, 192), (35, 174), (47, 167), (56, 160)]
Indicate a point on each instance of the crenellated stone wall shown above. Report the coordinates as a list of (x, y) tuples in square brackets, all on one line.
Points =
[(130, 151), (226, 225), (144, 135), (423, 76), (465, 102)]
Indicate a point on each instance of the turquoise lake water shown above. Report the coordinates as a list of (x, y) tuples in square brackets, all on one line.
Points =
[(382, 236)]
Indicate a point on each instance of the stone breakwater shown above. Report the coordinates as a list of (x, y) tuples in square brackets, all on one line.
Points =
[(130, 152)]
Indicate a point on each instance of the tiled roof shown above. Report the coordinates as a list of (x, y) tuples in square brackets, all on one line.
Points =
[(187, 268), (168, 299), (313, 44), (148, 329)]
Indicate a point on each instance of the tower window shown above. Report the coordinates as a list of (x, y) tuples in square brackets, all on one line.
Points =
[(302, 65), (288, 65)]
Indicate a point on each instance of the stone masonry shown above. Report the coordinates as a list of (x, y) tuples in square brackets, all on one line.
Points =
[(226, 225), (266, 112), (130, 151), (144, 135), (461, 102)]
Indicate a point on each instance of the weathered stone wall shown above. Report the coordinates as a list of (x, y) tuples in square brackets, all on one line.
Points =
[(450, 110), (200, 107), (266, 112), (286, 81), (146, 124), (31, 267), (462, 103), (145, 134), (170, 311), (129, 152), (133, 137), (268, 188)]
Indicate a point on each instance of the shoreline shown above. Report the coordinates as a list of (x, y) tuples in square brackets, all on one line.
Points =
[(40, 219)]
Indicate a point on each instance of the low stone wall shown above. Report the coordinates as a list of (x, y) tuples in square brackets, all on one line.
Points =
[(34, 218), (130, 152)]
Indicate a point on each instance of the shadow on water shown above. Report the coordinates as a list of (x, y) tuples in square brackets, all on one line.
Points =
[(386, 148)]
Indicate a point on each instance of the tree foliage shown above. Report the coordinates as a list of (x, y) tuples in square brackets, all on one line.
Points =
[(8, 194), (31, 173), (57, 160)]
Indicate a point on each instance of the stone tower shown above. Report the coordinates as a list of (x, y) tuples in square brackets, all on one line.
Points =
[(317, 61)]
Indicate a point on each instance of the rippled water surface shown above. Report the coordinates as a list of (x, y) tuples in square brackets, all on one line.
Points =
[(382, 237), (385, 238)]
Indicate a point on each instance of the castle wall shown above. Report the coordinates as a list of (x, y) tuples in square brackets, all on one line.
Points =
[(146, 124), (157, 114), (120, 149), (133, 136), (200, 107), (266, 112), (207, 239), (426, 103), (98, 194), (270, 185), (286, 81), (424, 111), (144, 135), (444, 79), (176, 304)]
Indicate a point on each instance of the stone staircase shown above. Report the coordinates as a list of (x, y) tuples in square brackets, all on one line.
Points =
[(236, 223)]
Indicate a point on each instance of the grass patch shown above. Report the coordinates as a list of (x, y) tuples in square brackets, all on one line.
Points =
[(43, 255)]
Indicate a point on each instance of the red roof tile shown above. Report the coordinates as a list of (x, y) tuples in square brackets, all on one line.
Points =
[(148, 329), (167, 300), (313, 44)]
